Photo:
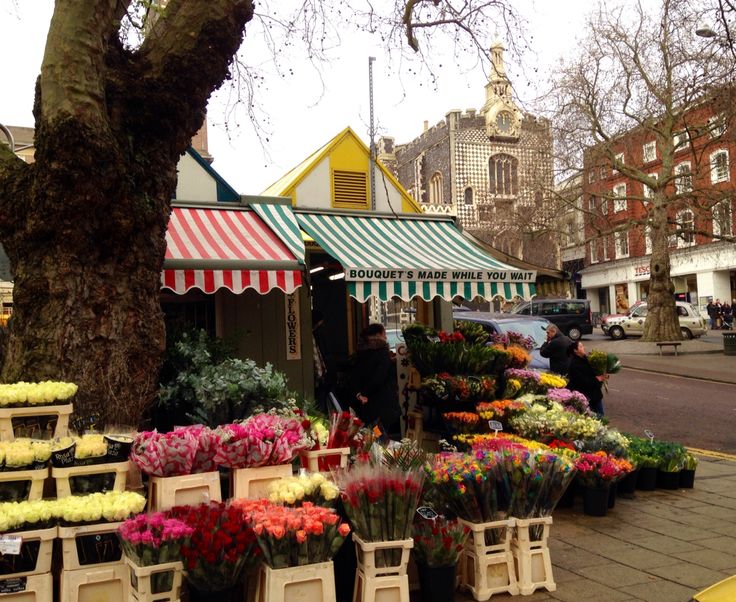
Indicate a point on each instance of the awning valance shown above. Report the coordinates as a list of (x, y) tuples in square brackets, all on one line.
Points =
[(233, 248), (413, 256)]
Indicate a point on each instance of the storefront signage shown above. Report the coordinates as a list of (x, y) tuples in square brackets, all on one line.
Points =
[(425, 275), (293, 328), (641, 270)]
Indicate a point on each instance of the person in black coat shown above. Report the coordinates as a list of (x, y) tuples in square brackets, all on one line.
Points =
[(375, 381), (555, 348), (582, 377)]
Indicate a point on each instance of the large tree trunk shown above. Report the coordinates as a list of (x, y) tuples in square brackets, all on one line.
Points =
[(662, 323), (84, 225)]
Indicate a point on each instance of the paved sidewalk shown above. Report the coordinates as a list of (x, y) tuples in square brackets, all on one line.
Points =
[(661, 546)]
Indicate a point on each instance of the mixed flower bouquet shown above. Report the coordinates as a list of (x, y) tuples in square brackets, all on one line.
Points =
[(261, 440), (221, 545), (518, 356), (544, 423), (22, 394), (380, 503), (604, 363), (522, 381), (513, 338), (312, 488), (501, 410), (150, 539), (291, 537), (446, 387), (599, 469), (439, 542)]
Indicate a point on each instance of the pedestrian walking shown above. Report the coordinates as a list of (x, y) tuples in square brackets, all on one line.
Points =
[(555, 348), (375, 381), (712, 312), (727, 316), (582, 377)]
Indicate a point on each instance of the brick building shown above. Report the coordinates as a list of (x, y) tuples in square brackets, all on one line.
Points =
[(491, 168), (700, 210)]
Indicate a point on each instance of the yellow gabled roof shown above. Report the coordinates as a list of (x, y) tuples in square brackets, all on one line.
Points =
[(286, 185)]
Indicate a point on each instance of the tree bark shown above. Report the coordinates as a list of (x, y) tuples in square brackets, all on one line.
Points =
[(84, 226)]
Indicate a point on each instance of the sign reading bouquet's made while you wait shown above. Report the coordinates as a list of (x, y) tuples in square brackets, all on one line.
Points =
[(441, 275)]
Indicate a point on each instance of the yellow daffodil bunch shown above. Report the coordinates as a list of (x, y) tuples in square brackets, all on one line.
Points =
[(90, 446), (314, 487), (35, 394), (111, 506)]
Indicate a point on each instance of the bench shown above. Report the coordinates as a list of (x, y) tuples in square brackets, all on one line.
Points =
[(674, 344)]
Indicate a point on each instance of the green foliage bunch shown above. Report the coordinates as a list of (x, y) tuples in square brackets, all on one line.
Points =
[(206, 385)]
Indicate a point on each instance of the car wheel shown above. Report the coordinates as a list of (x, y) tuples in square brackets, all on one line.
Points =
[(616, 332), (574, 333), (686, 334)]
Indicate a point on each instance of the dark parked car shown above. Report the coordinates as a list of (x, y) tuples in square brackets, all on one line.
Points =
[(529, 326), (572, 316)]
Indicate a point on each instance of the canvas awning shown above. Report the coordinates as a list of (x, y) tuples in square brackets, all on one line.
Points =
[(413, 256), (224, 247)]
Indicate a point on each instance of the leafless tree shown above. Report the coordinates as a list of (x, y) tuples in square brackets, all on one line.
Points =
[(642, 77), (123, 87)]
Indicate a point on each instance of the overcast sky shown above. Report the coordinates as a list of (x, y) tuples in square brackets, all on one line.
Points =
[(306, 109)]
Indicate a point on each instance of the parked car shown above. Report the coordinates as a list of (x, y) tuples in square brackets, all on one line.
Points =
[(692, 324), (572, 316), (529, 326)]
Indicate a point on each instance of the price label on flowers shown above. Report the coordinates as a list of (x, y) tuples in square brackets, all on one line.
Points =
[(10, 544), (649, 434), (495, 426), (427, 512)]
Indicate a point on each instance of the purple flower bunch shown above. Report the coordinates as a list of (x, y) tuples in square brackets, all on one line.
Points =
[(523, 374), (573, 401), (513, 338)]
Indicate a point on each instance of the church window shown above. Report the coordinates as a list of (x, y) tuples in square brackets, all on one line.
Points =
[(503, 175), (468, 196), (435, 189)]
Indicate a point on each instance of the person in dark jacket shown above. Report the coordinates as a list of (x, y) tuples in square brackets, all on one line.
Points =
[(582, 377), (555, 348), (375, 381)]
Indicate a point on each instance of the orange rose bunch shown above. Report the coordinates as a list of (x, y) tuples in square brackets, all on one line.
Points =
[(463, 422)]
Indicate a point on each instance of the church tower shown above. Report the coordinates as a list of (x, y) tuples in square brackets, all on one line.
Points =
[(503, 118)]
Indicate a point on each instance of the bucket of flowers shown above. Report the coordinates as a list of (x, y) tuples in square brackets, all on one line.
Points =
[(380, 503), (152, 545), (33, 522), (437, 546), (342, 435), (23, 468), (312, 488), (221, 546), (596, 472)]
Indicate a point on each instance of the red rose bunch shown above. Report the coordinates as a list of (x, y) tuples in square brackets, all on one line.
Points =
[(344, 428), (452, 337), (439, 542), (220, 546), (290, 536)]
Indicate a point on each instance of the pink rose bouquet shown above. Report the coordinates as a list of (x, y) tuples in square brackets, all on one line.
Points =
[(165, 454)]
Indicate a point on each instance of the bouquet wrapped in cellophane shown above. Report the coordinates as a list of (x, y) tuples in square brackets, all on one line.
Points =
[(344, 427), (380, 503), (291, 537), (165, 454), (314, 488), (261, 440)]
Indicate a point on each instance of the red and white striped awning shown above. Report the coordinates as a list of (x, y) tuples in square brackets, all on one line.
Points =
[(216, 248)]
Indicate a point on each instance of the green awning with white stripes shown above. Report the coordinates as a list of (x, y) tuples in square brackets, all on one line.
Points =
[(280, 218), (413, 256)]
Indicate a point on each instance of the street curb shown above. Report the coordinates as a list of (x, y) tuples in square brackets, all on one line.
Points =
[(650, 370)]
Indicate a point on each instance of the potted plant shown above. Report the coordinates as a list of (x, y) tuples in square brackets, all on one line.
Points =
[(437, 547), (673, 456), (644, 455), (596, 472), (687, 474)]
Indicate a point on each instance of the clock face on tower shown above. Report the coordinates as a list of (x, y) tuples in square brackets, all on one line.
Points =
[(503, 122)]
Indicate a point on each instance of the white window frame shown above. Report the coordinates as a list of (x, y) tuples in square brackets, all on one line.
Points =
[(648, 193), (647, 240), (717, 221), (621, 244), (680, 141), (619, 204), (649, 151), (717, 125), (591, 175), (682, 242), (715, 176), (604, 206), (593, 251), (591, 203), (602, 173), (683, 179), (617, 158)]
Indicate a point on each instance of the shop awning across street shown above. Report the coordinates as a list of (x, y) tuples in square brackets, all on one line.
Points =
[(236, 248), (413, 255)]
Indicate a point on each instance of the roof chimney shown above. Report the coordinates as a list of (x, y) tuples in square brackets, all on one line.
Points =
[(426, 125)]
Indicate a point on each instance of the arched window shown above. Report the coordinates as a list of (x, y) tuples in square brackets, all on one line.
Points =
[(435, 189), (503, 175), (468, 196)]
